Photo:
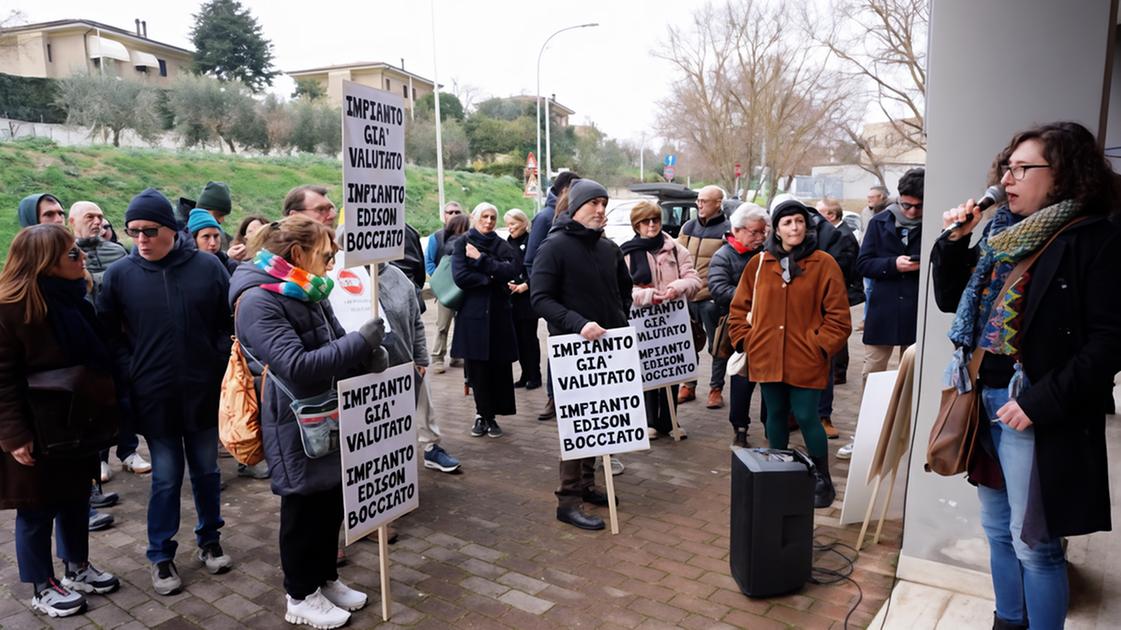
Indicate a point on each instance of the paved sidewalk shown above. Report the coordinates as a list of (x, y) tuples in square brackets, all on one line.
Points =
[(485, 551)]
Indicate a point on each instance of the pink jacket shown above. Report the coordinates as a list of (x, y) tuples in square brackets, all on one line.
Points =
[(671, 266)]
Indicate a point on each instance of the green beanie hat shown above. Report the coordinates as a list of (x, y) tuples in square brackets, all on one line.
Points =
[(215, 196)]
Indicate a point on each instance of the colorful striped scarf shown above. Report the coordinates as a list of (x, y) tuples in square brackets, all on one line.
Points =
[(981, 321), (295, 282)]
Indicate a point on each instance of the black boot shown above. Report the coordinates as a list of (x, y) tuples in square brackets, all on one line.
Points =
[(575, 516), (823, 483), (1000, 624), (550, 412)]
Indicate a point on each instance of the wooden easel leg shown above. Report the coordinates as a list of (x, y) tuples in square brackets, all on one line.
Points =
[(383, 562), (868, 514), (883, 510), (609, 481)]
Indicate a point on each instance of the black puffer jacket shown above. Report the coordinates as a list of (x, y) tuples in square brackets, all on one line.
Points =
[(580, 277)]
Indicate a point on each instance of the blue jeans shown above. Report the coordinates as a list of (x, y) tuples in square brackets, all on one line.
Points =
[(1030, 584), (200, 450), (33, 539), (867, 295)]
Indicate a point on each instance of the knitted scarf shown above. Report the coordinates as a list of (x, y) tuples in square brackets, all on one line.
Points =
[(982, 323), (295, 282), (789, 260), (637, 248)]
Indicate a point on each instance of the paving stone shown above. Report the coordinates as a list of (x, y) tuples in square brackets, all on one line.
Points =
[(485, 550)]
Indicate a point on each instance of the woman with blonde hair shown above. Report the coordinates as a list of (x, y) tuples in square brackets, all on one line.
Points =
[(525, 318), (284, 320), (47, 324), (662, 271)]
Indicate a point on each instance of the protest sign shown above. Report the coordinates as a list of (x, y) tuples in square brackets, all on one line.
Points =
[(665, 343), (351, 298), (597, 388), (373, 175), (377, 440)]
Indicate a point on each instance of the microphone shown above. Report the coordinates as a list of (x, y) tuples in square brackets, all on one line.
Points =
[(993, 194)]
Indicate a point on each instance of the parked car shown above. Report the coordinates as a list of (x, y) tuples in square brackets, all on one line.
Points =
[(678, 202)]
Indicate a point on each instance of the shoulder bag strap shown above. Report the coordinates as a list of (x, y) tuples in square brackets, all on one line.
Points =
[(264, 366), (755, 286)]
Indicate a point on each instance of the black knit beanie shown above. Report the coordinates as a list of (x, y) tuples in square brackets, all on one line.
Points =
[(581, 192), (151, 205)]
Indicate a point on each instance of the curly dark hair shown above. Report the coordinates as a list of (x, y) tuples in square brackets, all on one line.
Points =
[(912, 183), (1078, 165)]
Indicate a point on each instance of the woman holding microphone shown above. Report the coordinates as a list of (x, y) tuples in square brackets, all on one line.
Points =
[(1051, 344)]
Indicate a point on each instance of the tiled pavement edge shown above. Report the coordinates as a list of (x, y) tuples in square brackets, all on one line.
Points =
[(485, 551)]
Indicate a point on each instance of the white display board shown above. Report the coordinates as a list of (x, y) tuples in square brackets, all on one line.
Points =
[(665, 343), (873, 410), (373, 175), (377, 441), (597, 389)]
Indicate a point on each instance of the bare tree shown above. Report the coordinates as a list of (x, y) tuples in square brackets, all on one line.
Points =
[(751, 91), (882, 44)]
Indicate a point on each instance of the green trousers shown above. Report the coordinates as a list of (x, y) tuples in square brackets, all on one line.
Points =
[(782, 400)]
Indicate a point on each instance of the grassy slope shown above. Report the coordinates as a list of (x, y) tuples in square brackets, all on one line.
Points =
[(110, 177)]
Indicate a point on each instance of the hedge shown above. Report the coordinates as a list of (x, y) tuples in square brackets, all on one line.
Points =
[(30, 98)]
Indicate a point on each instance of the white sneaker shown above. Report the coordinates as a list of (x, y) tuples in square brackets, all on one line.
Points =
[(316, 611), (343, 596), (58, 601), (136, 463), (106, 472), (617, 466), (845, 452)]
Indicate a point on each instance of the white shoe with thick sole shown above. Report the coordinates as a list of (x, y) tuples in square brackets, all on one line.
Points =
[(106, 472), (845, 452), (343, 596), (137, 464), (316, 611)]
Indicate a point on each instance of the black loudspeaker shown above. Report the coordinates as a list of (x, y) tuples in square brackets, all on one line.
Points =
[(772, 521)]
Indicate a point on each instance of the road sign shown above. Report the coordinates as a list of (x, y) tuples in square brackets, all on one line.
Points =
[(739, 169), (669, 172), (670, 160), (530, 161)]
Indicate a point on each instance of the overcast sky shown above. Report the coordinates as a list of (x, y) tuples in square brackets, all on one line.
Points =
[(606, 73)]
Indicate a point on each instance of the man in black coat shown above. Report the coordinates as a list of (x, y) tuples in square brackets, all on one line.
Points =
[(580, 284), (165, 308)]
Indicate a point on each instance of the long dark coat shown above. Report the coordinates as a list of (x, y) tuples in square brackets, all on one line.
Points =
[(894, 306), (484, 324), (1071, 350), (27, 349)]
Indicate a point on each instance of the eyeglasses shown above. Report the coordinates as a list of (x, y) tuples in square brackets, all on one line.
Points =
[(756, 232), (151, 232), (650, 221), (74, 253), (910, 206), (452, 213), (1020, 171)]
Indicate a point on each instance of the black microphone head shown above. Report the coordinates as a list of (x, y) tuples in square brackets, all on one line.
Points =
[(993, 194)]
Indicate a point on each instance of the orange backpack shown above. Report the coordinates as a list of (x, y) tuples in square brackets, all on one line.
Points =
[(239, 413)]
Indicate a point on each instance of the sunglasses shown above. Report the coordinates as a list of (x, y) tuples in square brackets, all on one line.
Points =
[(151, 232), (651, 221), (910, 206), (74, 253)]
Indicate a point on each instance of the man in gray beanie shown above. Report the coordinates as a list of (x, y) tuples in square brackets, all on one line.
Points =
[(580, 284)]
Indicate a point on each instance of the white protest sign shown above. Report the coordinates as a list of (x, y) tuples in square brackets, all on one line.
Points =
[(373, 175), (350, 299), (665, 343), (597, 388), (873, 410), (377, 440)]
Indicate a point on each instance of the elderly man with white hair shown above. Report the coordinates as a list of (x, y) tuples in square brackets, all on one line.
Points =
[(703, 236), (85, 221), (749, 225)]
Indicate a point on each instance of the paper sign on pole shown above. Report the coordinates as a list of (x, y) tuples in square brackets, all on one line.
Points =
[(351, 298), (597, 388), (377, 441), (373, 175), (665, 343)]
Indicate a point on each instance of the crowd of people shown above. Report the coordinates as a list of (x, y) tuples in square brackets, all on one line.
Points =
[(781, 282)]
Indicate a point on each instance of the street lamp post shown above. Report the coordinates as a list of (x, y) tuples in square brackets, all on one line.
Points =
[(542, 180)]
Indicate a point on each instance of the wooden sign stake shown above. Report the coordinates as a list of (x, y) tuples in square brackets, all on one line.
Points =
[(676, 433), (383, 531), (609, 481)]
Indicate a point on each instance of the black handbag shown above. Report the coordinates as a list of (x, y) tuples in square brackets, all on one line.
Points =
[(74, 411)]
